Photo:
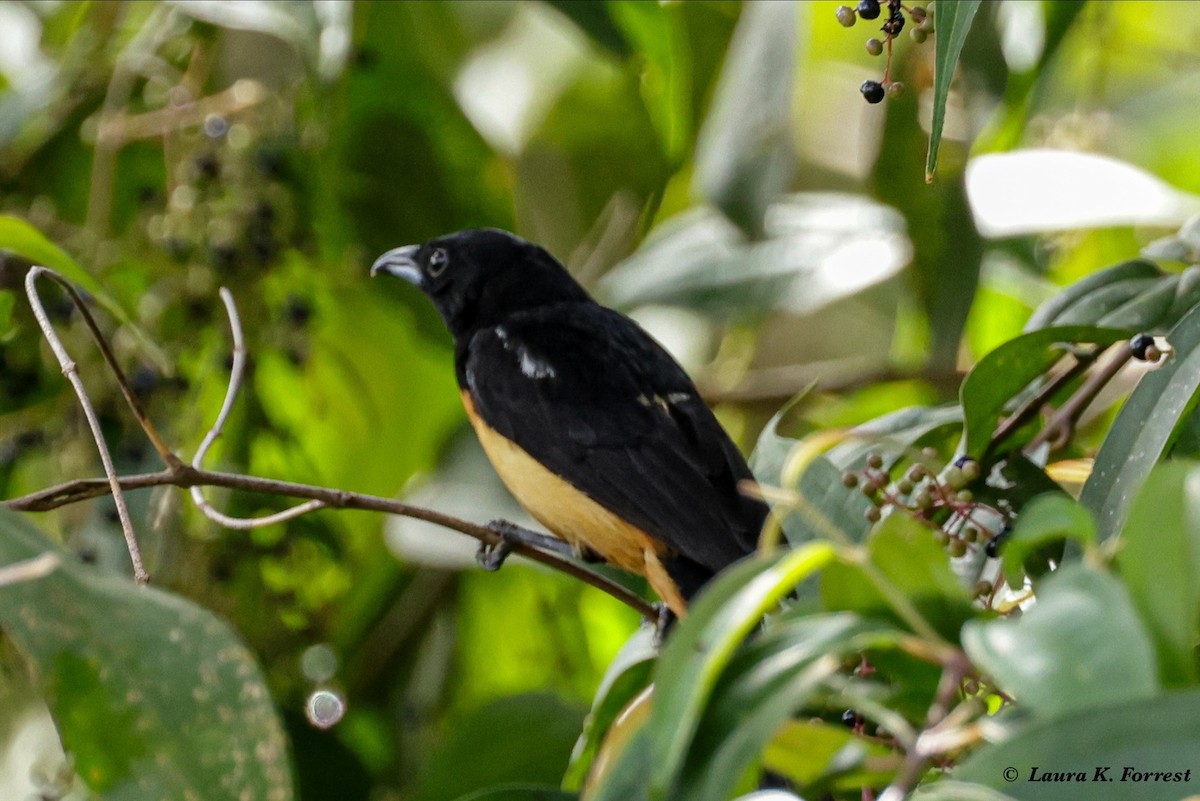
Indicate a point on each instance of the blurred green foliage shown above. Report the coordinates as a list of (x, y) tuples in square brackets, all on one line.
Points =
[(708, 166)]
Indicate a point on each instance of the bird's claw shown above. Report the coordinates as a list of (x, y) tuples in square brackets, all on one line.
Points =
[(491, 555)]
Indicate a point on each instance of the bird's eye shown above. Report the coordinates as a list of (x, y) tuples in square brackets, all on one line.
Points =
[(438, 261)]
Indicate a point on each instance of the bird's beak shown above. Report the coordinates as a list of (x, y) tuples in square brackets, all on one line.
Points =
[(400, 263)]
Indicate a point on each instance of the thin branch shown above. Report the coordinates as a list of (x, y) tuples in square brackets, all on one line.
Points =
[(954, 669), (70, 370), (1061, 426), (186, 477), (237, 375), (180, 474), (139, 413), (1033, 407)]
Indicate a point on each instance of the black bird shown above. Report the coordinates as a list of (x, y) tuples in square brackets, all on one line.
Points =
[(590, 423)]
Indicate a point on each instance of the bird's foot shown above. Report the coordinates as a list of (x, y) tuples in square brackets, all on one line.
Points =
[(665, 621), (491, 556)]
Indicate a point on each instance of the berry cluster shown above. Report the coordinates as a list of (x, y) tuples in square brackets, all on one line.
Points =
[(922, 19), (944, 500)]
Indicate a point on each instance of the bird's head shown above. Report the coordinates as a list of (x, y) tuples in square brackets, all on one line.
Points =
[(476, 278)]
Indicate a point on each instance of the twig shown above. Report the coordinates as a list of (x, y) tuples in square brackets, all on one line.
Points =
[(1062, 425), (236, 376), (954, 669), (70, 370), (29, 569), (186, 477), (139, 414), (180, 474), (1032, 407)]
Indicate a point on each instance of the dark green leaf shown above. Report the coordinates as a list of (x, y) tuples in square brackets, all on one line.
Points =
[(744, 152), (1129, 273), (762, 687), (809, 752), (513, 739), (594, 19), (29, 243), (704, 642), (1160, 563), (1158, 734), (950, 790), (953, 23), (154, 697), (909, 557), (1046, 521), (1081, 645), (629, 674), (520, 792), (1144, 429)]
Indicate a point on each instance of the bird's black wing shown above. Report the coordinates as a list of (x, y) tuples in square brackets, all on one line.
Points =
[(595, 399)]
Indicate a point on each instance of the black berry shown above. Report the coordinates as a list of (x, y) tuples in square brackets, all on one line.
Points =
[(1139, 344), (992, 549), (873, 91), (850, 718), (894, 24), (868, 9)]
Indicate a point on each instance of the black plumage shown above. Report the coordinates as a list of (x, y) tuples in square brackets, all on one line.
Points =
[(593, 399)]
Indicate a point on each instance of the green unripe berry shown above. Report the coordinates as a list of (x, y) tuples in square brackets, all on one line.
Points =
[(954, 478), (874, 47), (918, 34), (846, 16), (873, 514), (957, 548), (983, 588), (964, 496), (904, 486), (917, 13), (849, 480), (895, 88), (874, 461)]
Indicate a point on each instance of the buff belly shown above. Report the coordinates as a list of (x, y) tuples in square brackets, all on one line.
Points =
[(571, 515)]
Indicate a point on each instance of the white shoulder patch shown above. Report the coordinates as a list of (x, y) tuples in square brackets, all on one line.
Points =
[(531, 365)]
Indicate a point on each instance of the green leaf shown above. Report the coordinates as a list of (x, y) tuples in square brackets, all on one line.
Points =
[(772, 678), (905, 552), (949, 790), (154, 697), (629, 674), (514, 739), (1047, 520), (1001, 375), (1158, 734), (1082, 644), (953, 23), (701, 260), (1160, 563), (29, 243), (1145, 429), (829, 507), (704, 642), (596, 21), (628, 778), (744, 153), (810, 752), (520, 792), (1052, 311)]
